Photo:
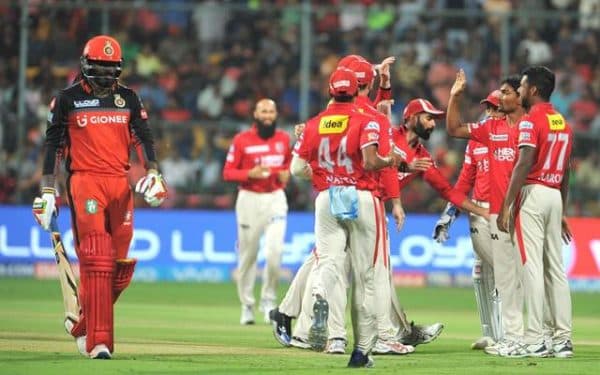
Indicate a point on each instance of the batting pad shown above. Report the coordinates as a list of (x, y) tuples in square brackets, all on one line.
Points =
[(96, 256)]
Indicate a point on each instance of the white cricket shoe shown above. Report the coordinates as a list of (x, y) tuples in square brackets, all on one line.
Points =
[(520, 350), (100, 352), (391, 347), (482, 343), (563, 349), (336, 346), (247, 315), (265, 307), (80, 341), (300, 343)]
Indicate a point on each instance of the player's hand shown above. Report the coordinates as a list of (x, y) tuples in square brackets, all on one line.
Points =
[(567, 236), (259, 172), (442, 226), (153, 187), (394, 159), (283, 176), (385, 107), (44, 207), (398, 215), (503, 220), (460, 84), (299, 129), (384, 71), (420, 165)]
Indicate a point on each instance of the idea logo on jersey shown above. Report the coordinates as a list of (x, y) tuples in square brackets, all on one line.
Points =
[(333, 124)]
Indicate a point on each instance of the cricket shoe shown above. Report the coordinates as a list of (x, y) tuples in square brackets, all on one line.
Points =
[(421, 334), (336, 346), (499, 346), (282, 327), (247, 315), (392, 347), (482, 343), (520, 350), (358, 359), (80, 341), (563, 349), (317, 334), (300, 343), (100, 352), (265, 307)]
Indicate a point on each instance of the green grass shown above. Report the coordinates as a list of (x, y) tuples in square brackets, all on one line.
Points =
[(171, 328)]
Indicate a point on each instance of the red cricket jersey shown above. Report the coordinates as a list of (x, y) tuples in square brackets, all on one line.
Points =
[(432, 176), (249, 150), (331, 143), (386, 176), (475, 172), (501, 140), (546, 130)]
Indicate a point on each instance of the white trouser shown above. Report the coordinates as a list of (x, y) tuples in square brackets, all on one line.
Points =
[(363, 237), (258, 214), (538, 228)]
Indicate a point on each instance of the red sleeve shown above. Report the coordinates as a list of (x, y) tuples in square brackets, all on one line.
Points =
[(232, 170), (370, 133), (436, 180), (382, 94), (480, 131), (388, 181), (466, 179), (528, 133)]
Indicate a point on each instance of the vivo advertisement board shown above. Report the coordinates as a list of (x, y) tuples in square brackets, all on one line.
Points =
[(186, 245)]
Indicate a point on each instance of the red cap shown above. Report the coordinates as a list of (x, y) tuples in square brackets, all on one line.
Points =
[(493, 98), (364, 71), (421, 105), (102, 48), (347, 60), (343, 82)]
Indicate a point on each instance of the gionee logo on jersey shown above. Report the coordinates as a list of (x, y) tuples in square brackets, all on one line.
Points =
[(333, 124), (85, 119), (86, 103)]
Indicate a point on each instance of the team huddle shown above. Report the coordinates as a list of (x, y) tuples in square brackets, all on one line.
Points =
[(516, 166)]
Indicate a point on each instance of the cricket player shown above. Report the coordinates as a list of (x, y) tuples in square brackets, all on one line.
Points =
[(258, 160), (500, 136), (474, 176), (339, 150), (536, 200), (93, 123)]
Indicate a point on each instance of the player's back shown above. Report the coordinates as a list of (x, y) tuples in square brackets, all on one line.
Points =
[(546, 129), (333, 153)]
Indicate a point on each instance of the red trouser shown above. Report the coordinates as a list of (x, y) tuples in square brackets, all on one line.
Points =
[(100, 206)]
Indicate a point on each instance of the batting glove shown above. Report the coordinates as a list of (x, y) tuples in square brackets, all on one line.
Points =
[(153, 187), (442, 226), (44, 207)]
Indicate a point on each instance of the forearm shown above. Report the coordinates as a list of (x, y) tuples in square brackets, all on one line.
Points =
[(142, 132), (372, 161), (516, 182), (454, 125), (298, 167), (235, 175), (467, 205), (564, 188)]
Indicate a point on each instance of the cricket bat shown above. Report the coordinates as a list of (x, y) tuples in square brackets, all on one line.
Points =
[(68, 283)]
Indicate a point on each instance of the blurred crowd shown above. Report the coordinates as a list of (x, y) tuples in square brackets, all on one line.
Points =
[(199, 67)]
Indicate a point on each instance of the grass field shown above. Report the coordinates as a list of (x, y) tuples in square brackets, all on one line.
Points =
[(171, 328)]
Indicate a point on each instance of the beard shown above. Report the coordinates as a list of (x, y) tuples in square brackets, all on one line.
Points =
[(265, 131), (525, 103), (421, 131)]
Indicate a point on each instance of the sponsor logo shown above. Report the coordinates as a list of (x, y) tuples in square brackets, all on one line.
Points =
[(499, 137), (480, 151), (119, 101), (86, 103), (91, 206), (85, 119), (333, 124), (341, 83), (373, 137), (400, 152), (494, 236), (504, 154), (524, 136), (256, 149), (372, 125), (467, 159), (556, 122), (525, 125), (271, 160)]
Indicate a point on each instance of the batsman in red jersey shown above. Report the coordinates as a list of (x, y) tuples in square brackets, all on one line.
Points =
[(93, 124), (258, 160)]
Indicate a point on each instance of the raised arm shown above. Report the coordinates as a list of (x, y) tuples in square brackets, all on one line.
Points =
[(454, 125)]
